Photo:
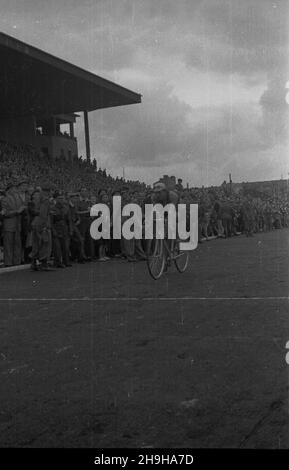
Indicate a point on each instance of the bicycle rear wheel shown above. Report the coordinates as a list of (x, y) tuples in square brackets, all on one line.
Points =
[(181, 258), (155, 258)]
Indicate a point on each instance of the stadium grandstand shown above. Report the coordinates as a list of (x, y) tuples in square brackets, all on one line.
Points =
[(39, 93)]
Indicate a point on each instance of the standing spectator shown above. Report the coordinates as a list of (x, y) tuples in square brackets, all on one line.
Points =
[(77, 241), (218, 214), (83, 210), (12, 210), (61, 231), (268, 216), (115, 245), (41, 229), (103, 245), (179, 185), (247, 211), (226, 217), (24, 198)]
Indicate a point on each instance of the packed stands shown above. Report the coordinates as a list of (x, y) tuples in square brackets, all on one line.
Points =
[(45, 210)]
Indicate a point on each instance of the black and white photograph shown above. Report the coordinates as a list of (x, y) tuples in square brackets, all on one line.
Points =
[(144, 228)]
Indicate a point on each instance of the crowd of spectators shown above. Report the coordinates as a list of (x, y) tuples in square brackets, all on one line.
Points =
[(45, 210), (225, 213)]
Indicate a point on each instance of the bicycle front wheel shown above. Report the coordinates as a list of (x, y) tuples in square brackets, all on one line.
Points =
[(181, 259), (155, 258)]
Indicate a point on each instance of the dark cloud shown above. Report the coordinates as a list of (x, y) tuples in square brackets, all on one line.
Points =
[(221, 35)]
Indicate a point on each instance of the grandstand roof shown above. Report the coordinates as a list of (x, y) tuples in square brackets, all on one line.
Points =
[(35, 82)]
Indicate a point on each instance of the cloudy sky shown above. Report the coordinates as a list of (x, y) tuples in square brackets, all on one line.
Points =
[(212, 74)]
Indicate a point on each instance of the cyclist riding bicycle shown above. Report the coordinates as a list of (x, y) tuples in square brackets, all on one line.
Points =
[(163, 196), (164, 249)]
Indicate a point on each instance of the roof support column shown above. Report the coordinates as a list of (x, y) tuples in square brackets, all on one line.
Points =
[(86, 131), (71, 130)]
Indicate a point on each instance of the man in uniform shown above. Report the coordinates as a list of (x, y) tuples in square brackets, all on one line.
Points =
[(61, 231), (247, 211), (11, 211), (41, 231), (22, 192), (83, 210), (77, 241)]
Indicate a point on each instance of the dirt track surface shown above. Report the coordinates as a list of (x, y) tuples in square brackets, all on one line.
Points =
[(100, 355)]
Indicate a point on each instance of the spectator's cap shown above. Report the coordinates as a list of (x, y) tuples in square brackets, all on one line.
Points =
[(158, 187)]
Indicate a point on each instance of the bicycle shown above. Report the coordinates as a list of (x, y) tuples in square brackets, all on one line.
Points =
[(161, 253)]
